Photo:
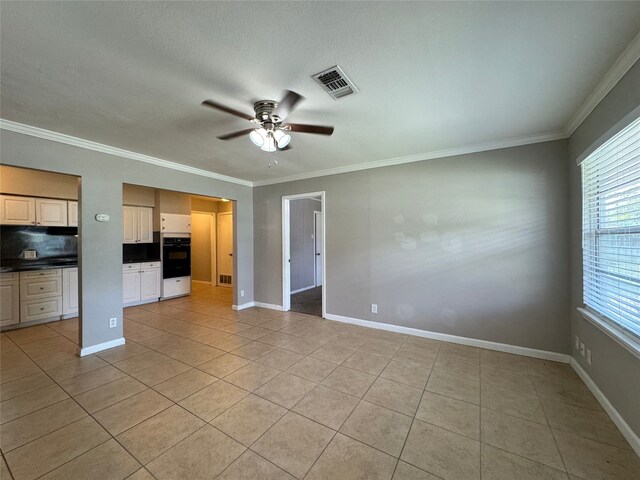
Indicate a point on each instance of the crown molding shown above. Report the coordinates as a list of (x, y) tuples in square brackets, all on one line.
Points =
[(451, 152), (99, 147), (621, 66)]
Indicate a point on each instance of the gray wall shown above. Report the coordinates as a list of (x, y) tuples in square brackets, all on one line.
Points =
[(474, 245), (100, 246), (613, 369), (302, 243)]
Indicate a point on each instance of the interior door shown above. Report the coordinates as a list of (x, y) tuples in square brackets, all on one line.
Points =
[(318, 236), (202, 247), (225, 249)]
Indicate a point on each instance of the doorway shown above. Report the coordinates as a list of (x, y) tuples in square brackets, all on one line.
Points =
[(304, 263), (203, 246), (212, 248), (225, 249)]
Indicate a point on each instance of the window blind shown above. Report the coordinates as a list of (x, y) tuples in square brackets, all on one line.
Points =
[(611, 229)]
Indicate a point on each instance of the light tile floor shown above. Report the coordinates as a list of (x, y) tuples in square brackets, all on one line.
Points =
[(200, 391)]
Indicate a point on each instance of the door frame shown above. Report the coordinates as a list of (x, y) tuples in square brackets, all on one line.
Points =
[(286, 248), (315, 239), (233, 259), (214, 245)]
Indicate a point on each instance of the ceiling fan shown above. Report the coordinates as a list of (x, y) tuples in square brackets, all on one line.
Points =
[(271, 134)]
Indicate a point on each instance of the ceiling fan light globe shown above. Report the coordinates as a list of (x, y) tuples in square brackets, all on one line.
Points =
[(257, 137), (269, 144), (282, 139)]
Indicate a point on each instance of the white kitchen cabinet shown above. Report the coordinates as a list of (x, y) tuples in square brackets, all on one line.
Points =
[(129, 224), (140, 282), (150, 281), (40, 295), (72, 209), (9, 299), (70, 297), (131, 285), (176, 287), (51, 213), (137, 224), (17, 210), (145, 225), (175, 223)]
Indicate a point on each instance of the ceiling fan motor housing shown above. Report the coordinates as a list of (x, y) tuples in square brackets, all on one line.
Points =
[(264, 111)]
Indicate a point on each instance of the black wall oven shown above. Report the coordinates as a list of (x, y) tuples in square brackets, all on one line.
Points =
[(176, 257)]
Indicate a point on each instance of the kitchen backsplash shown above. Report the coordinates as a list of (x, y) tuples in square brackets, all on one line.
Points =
[(46, 241)]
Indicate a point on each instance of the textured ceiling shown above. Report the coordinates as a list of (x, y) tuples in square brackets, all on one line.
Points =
[(432, 76)]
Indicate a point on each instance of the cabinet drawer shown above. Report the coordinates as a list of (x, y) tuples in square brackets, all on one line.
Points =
[(40, 287), (52, 272), (39, 309), (148, 265), (173, 287), (130, 266)]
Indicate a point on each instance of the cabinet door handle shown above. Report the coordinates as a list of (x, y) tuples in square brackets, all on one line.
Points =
[(41, 308), (41, 288)]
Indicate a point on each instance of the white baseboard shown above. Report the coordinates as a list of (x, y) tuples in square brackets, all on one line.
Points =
[(500, 347), (623, 426), (243, 306), (83, 352), (270, 306), (304, 289)]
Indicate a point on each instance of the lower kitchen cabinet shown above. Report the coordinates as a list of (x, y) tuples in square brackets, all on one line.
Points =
[(70, 297), (140, 282), (40, 295), (9, 299)]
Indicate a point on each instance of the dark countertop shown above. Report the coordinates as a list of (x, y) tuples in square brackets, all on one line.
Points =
[(22, 265), (141, 260)]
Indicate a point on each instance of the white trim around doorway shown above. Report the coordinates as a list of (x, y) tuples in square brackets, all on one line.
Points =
[(286, 248)]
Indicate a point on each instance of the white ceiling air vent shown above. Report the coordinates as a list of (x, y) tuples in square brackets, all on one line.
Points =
[(334, 81)]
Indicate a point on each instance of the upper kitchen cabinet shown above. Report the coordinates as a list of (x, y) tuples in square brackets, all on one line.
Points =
[(51, 213), (46, 212), (174, 223), (17, 210), (72, 208), (137, 224)]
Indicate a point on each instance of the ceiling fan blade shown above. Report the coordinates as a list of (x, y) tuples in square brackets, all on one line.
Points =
[(229, 136), (212, 104), (287, 104), (318, 129)]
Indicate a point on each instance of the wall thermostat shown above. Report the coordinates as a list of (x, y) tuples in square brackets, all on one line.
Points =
[(102, 217)]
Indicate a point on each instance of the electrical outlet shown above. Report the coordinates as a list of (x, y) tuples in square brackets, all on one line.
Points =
[(588, 356), (582, 348), (242, 293), (113, 322), (374, 308), (577, 342)]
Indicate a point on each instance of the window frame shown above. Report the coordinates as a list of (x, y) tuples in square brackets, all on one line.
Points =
[(616, 330)]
